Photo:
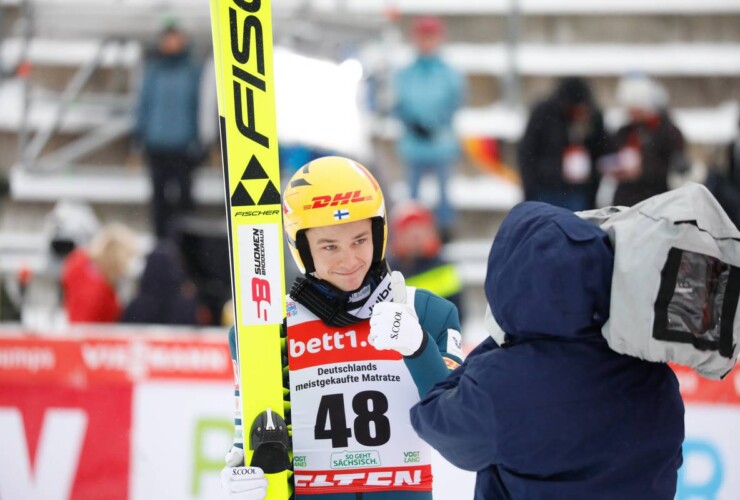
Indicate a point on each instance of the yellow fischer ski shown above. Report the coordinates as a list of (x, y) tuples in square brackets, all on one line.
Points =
[(242, 47)]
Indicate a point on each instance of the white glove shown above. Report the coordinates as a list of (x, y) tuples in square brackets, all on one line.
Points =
[(394, 325), (242, 483)]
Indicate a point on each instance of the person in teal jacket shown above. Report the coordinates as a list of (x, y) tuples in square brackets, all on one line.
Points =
[(166, 127), (361, 348), (428, 92)]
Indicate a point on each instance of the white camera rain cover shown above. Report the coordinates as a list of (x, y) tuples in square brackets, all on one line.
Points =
[(676, 280)]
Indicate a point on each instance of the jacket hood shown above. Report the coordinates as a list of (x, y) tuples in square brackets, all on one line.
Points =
[(572, 91), (549, 273)]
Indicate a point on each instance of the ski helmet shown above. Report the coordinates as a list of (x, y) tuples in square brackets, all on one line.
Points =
[(329, 191)]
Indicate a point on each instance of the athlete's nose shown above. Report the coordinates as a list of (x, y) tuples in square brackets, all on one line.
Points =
[(348, 257)]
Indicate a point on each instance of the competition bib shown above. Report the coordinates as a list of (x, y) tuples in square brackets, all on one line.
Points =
[(350, 412)]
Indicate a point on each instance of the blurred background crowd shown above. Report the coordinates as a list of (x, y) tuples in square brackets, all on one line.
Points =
[(111, 197)]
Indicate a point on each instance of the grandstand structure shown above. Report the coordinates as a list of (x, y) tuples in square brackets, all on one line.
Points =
[(68, 73)]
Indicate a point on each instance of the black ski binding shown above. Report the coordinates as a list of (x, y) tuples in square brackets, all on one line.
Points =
[(270, 441)]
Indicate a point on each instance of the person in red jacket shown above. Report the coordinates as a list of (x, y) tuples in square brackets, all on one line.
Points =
[(90, 275)]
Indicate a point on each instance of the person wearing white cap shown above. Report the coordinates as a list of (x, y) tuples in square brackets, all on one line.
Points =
[(649, 145)]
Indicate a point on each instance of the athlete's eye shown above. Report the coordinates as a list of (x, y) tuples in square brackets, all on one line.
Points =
[(361, 241)]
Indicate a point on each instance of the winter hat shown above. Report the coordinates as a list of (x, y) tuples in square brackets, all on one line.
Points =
[(639, 91), (408, 213), (417, 222), (573, 90), (546, 258), (70, 224), (428, 25)]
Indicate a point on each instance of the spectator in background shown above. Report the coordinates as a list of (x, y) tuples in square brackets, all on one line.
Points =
[(166, 127), (90, 275), (563, 140), (165, 294), (415, 251), (428, 92), (649, 145)]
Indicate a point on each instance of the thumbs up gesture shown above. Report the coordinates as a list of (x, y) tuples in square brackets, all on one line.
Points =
[(395, 325)]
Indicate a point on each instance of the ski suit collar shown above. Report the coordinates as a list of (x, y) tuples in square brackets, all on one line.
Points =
[(339, 308)]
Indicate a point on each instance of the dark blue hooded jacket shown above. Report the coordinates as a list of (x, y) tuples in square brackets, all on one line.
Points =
[(555, 413)]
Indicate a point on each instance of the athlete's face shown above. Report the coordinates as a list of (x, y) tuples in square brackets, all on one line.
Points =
[(342, 254)]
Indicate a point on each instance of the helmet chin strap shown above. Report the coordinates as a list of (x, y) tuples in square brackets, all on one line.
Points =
[(331, 304), (301, 244)]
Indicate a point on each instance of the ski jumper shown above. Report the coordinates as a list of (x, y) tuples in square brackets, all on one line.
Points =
[(352, 436)]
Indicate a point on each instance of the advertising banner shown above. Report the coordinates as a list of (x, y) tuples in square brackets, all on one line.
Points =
[(143, 413), (114, 413)]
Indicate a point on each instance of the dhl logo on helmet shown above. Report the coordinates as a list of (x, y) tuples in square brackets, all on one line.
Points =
[(337, 199)]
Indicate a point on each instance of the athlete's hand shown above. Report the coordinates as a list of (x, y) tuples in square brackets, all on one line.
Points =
[(395, 325), (242, 483)]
